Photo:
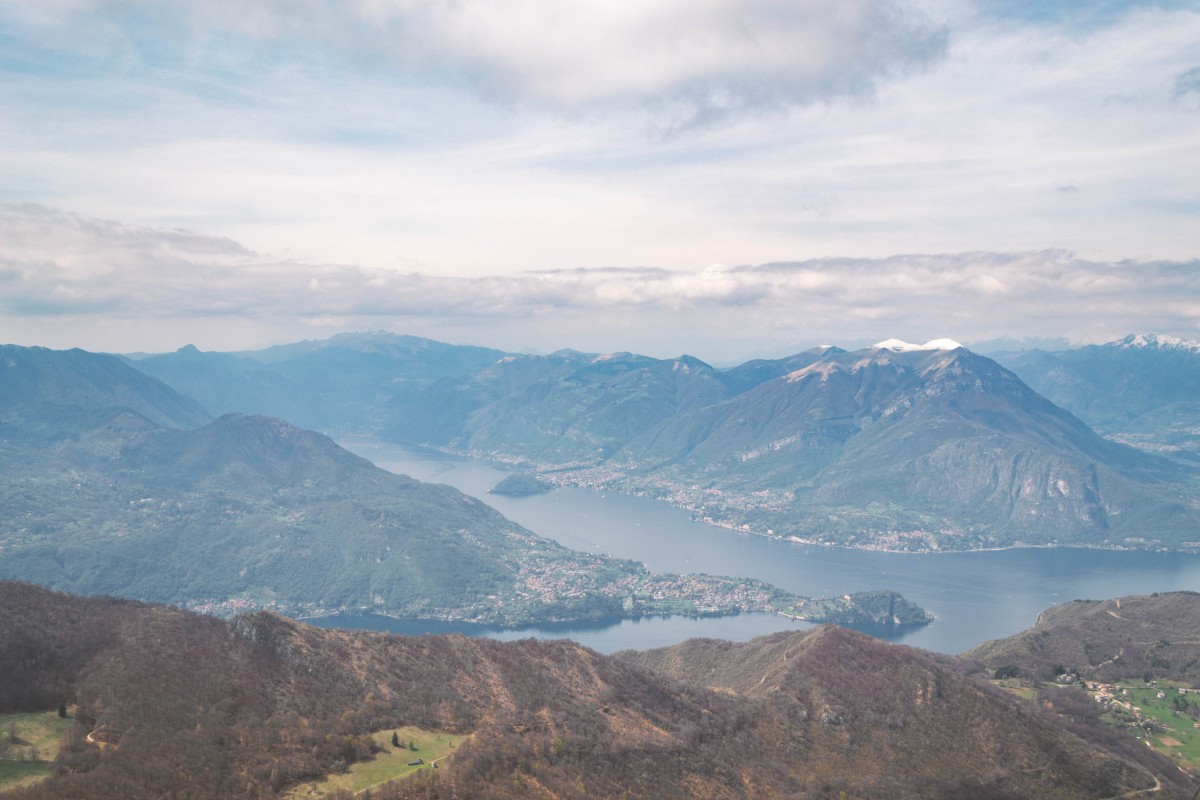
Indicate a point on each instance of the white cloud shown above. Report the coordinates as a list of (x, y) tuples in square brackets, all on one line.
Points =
[(91, 275), (713, 56), (317, 131)]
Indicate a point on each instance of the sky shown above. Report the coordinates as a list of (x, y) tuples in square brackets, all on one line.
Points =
[(725, 178)]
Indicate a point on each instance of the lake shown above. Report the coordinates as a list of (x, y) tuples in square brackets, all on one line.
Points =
[(975, 596)]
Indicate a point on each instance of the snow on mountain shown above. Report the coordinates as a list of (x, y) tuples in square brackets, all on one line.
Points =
[(1155, 341), (899, 346)]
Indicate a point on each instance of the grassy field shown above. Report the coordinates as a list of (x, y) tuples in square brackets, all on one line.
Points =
[(1181, 740), (1021, 688), (38, 736), (388, 765)]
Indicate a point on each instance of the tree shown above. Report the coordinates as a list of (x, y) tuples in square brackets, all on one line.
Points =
[(412, 745), (395, 739), (62, 710)]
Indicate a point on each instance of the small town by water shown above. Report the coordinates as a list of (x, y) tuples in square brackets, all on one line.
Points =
[(975, 596)]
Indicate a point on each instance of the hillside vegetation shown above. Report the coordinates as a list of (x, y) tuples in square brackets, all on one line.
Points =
[(255, 705), (1110, 640)]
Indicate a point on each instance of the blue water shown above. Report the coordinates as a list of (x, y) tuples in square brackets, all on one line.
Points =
[(975, 596)]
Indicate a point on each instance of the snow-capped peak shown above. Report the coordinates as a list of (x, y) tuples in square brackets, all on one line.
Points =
[(898, 346), (1155, 341)]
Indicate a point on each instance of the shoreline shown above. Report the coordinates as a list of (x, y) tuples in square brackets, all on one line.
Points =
[(543, 470)]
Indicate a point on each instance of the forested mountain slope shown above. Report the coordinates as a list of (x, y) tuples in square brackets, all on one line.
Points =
[(251, 706), (252, 512), (938, 447)]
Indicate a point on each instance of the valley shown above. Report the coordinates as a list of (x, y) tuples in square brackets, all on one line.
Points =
[(824, 446), (115, 484), (462, 400), (974, 596), (106, 488)]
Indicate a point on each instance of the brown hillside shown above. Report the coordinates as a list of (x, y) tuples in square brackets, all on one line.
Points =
[(1108, 639), (192, 706), (857, 706)]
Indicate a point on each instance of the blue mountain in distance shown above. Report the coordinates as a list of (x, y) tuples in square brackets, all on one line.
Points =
[(247, 511), (911, 449), (1143, 390), (37, 383), (338, 384), (572, 407), (896, 446)]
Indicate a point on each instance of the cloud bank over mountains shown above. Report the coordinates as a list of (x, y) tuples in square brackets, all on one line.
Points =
[(113, 283), (539, 174)]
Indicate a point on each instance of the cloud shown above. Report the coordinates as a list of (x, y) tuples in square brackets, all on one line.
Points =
[(691, 58), (1187, 87), (88, 273), (355, 131)]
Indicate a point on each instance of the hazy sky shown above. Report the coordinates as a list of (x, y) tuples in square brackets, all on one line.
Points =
[(727, 178)]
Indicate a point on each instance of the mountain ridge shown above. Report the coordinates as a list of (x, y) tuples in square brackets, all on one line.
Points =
[(258, 704), (1142, 389), (252, 512), (1119, 639), (869, 436), (899, 447)]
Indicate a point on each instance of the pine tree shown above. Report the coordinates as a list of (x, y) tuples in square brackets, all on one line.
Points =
[(395, 739)]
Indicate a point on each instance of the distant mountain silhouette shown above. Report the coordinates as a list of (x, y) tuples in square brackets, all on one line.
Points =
[(1143, 389), (337, 384)]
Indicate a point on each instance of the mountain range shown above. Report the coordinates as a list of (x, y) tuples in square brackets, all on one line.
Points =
[(1143, 390), (166, 702), (913, 448), (897, 446), (334, 385), (104, 488)]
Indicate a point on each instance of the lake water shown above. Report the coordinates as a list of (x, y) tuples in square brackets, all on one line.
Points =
[(975, 596)]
